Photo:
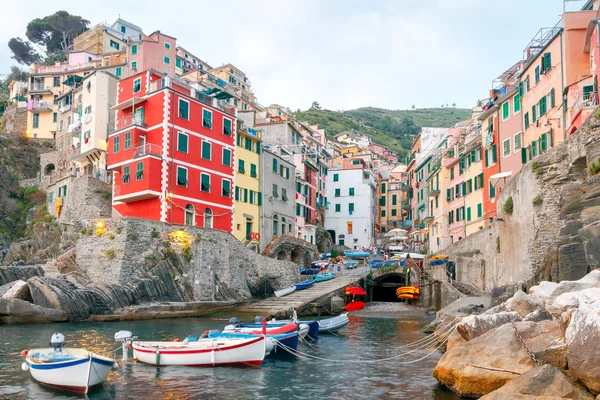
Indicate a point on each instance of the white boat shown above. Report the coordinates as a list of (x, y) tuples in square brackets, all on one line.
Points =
[(202, 353), (75, 370), (333, 324), (285, 291)]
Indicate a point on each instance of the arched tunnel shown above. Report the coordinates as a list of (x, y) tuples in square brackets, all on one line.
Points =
[(385, 287)]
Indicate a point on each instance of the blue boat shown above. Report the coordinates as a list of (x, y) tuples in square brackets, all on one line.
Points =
[(326, 255), (309, 271), (305, 284), (350, 264), (357, 254), (324, 277)]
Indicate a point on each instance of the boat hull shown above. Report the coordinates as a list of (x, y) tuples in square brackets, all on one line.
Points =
[(305, 284), (285, 292), (221, 353), (75, 375), (333, 324), (324, 277), (355, 306)]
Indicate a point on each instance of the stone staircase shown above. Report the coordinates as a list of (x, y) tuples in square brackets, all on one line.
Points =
[(466, 288)]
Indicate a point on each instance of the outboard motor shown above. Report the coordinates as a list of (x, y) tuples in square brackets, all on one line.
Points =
[(126, 338), (57, 342), (234, 321), (258, 319)]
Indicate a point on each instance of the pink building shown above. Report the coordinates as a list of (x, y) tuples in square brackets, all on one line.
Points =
[(157, 52), (454, 196), (509, 133)]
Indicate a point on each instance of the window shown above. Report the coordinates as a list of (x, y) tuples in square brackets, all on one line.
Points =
[(479, 210), (452, 173), (253, 171), (127, 141), (123, 29), (338, 207), (546, 62), (137, 85), (36, 121), (205, 182), (54, 117), (184, 109), (139, 171), (468, 213), (527, 85), (178, 62), (88, 109), (383, 188), (534, 113), (506, 148), (275, 194), (206, 150), (517, 103), (275, 165), (518, 141), (338, 192), (351, 207), (526, 120), (543, 142), (133, 51), (241, 167), (336, 177), (208, 218), (394, 212), (189, 214), (134, 65), (118, 72), (167, 46), (284, 194), (182, 142), (383, 213), (552, 99), (226, 157), (537, 74), (126, 170), (114, 44), (533, 148), (182, 176), (252, 197), (492, 191), (542, 106), (56, 81), (248, 144), (116, 144), (207, 119), (506, 110), (226, 188), (227, 126), (394, 199), (167, 60)]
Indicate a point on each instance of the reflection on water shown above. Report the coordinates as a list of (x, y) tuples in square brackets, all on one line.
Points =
[(282, 378)]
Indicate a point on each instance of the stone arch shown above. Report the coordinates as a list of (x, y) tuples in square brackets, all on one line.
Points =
[(386, 285), (294, 255), (307, 259), (49, 169), (281, 255)]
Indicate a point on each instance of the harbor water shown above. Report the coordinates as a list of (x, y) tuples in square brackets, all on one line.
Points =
[(365, 338)]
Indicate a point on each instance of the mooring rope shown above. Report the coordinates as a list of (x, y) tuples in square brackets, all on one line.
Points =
[(444, 336)]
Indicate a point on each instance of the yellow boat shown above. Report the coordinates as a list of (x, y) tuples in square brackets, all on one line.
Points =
[(408, 296), (407, 291), (438, 257)]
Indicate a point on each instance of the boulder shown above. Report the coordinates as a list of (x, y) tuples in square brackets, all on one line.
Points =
[(454, 339), (538, 315), (443, 328), (570, 300), (53, 293), (524, 304), (516, 396), (19, 290), (476, 325), (19, 311), (545, 381), (499, 348), (549, 291), (582, 337), (496, 309)]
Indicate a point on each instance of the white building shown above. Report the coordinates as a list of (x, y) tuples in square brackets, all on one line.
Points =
[(351, 192)]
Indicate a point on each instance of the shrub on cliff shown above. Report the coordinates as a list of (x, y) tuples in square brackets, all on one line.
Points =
[(508, 205)]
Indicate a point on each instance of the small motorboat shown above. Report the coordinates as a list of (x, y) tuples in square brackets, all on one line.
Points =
[(75, 370), (324, 277), (204, 352), (326, 255), (285, 291), (334, 324), (350, 264), (281, 341), (254, 329), (309, 271), (438, 257), (357, 254), (305, 284)]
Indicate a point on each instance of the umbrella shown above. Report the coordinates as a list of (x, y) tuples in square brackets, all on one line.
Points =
[(398, 237), (396, 232), (499, 180)]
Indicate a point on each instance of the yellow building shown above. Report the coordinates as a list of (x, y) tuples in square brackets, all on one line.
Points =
[(236, 77), (47, 82), (247, 185), (472, 186)]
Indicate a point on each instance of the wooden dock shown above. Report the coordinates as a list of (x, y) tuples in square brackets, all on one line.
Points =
[(281, 306)]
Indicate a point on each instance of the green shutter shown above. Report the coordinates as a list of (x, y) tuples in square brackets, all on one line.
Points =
[(552, 98), (227, 126), (523, 155), (534, 113), (260, 198), (226, 157), (452, 173), (517, 103), (275, 165), (537, 74), (206, 150), (394, 198), (521, 89), (468, 213), (245, 195), (351, 191), (207, 119), (184, 109), (181, 176), (542, 106), (205, 183), (351, 207), (237, 193), (492, 191), (253, 170), (448, 194), (506, 110), (533, 148), (182, 142), (479, 210), (526, 120), (487, 157), (241, 166), (464, 188), (543, 143), (257, 148), (336, 177), (546, 62), (338, 192), (494, 153), (338, 208)]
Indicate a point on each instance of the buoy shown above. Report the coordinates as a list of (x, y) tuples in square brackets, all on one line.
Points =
[(24, 366), (24, 353), (115, 365)]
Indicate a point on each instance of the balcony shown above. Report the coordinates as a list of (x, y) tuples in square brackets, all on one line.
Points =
[(435, 191), (134, 120), (147, 150), (419, 225), (405, 205), (584, 100), (427, 219), (405, 187), (407, 223), (39, 106), (39, 88)]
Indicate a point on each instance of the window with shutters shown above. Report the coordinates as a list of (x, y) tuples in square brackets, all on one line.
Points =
[(543, 142), (517, 103), (351, 191), (182, 142), (518, 140), (383, 188), (479, 210), (338, 192), (338, 207), (542, 106), (205, 182), (134, 49), (248, 144), (207, 119), (139, 171), (452, 173), (492, 191), (126, 177), (226, 188), (275, 169), (494, 151), (546, 62), (526, 120), (552, 98), (534, 113), (127, 141), (506, 110), (524, 155), (241, 166), (533, 148), (394, 198), (116, 144), (506, 148), (137, 85), (227, 126), (284, 194), (468, 213), (527, 85), (351, 207), (184, 109), (394, 212), (226, 157), (383, 213), (206, 150), (253, 173), (182, 176), (336, 177), (537, 74)]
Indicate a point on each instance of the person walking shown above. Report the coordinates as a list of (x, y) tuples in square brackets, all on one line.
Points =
[(339, 269)]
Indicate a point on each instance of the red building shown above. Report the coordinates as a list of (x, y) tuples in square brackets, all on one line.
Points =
[(491, 161), (172, 151)]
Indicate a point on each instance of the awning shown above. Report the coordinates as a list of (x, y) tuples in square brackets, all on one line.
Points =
[(396, 231), (211, 91), (499, 180), (223, 96), (73, 79), (129, 103), (356, 291)]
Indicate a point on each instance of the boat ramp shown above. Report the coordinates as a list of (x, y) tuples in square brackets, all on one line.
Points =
[(308, 301)]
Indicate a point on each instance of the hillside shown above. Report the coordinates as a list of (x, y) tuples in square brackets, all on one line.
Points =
[(393, 128)]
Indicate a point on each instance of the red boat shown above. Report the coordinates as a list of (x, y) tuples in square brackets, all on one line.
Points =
[(355, 306), (351, 294)]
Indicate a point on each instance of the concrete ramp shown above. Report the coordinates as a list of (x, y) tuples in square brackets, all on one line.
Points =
[(281, 307)]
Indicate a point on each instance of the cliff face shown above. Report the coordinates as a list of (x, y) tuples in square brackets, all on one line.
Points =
[(553, 232)]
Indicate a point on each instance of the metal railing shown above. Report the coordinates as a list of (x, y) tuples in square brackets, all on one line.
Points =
[(39, 87), (201, 97), (122, 123), (36, 105), (147, 149), (587, 99)]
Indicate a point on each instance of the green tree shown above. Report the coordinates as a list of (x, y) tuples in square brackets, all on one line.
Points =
[(23, 52), (315, 106)]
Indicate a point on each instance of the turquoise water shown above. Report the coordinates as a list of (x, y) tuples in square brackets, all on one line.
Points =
[(284, 378)]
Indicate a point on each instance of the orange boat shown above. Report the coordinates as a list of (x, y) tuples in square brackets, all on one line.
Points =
[(353, 292)]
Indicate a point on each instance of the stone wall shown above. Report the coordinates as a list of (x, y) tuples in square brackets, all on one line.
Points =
[(29, 182), (88, 198), (289, 248), (14, 121), (554, 240)]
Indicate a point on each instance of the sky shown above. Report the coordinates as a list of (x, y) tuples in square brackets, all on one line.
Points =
[(344, 54)]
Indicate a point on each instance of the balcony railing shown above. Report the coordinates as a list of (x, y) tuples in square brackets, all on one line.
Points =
[(419, 225), (587, 99), (147, 149), (405, 205), (39, 106), (407, 223), (434, 191), (122, 123), (39, 87)]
